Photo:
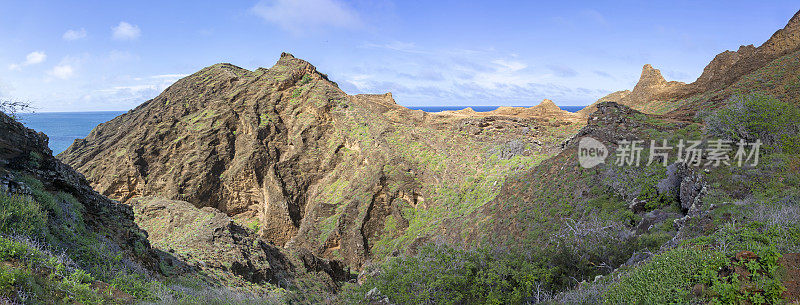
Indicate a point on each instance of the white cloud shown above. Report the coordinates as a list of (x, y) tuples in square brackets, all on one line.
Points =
[(509, 65), (299, 16), (562, 71), (71, 35), (126, 31), (33, 58), (361, 82), (68, 67), (409, 47), (419, 75), (170, 76), (132, 92), (62, 71)]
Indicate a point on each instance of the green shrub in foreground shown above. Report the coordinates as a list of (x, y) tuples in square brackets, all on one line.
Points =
[(21, 215), (758, 116), (444, 275), (669, 276), (666, 279)]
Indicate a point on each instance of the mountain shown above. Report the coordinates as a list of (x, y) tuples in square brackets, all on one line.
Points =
[(653, 94), (285, 151), (729, 66), (464, 206)]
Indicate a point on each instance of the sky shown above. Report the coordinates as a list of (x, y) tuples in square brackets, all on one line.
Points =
[(115, 55)]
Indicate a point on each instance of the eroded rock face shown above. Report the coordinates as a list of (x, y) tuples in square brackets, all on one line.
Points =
[(207, 238), (309, 166)]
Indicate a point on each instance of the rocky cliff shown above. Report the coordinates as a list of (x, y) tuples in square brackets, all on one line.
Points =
[(28, 168), (729, 66), (285, 151), (59, 239), (653, 94)]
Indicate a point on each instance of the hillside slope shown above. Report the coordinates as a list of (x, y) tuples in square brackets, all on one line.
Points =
[(285, 151)]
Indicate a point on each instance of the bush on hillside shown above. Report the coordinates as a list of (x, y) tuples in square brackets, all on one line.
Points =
[(758, 117), (439, 274)]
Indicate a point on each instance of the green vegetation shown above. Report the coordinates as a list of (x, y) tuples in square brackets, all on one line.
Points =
[(37, 276), (89, 269), (200, 120), (444, 275), (666, 279), (21, 215), (758, 117), (706, 264)]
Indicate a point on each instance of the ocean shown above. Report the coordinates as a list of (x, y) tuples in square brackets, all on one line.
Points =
[(64, 127)]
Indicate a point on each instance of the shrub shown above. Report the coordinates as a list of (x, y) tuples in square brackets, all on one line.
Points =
[(758, 116), (666, 279), (21, 215), (440, 274), (10, 249)]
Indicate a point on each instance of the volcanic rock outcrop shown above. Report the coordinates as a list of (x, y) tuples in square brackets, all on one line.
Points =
[(309, 167)]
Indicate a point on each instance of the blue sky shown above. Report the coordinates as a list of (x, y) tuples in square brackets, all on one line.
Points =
[(114, 55)]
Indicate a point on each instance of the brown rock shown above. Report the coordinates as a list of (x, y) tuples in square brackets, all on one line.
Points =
[(744, 256)]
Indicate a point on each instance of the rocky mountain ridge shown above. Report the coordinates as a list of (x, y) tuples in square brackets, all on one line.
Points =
[(653, 94), (545, 110), (285, 150)]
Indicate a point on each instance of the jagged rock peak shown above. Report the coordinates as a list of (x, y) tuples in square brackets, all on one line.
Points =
[(650, 77), (549, 105), (651, 84)]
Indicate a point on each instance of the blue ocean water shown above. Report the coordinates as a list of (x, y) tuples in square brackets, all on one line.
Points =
[(64, 127), (481, 108)]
